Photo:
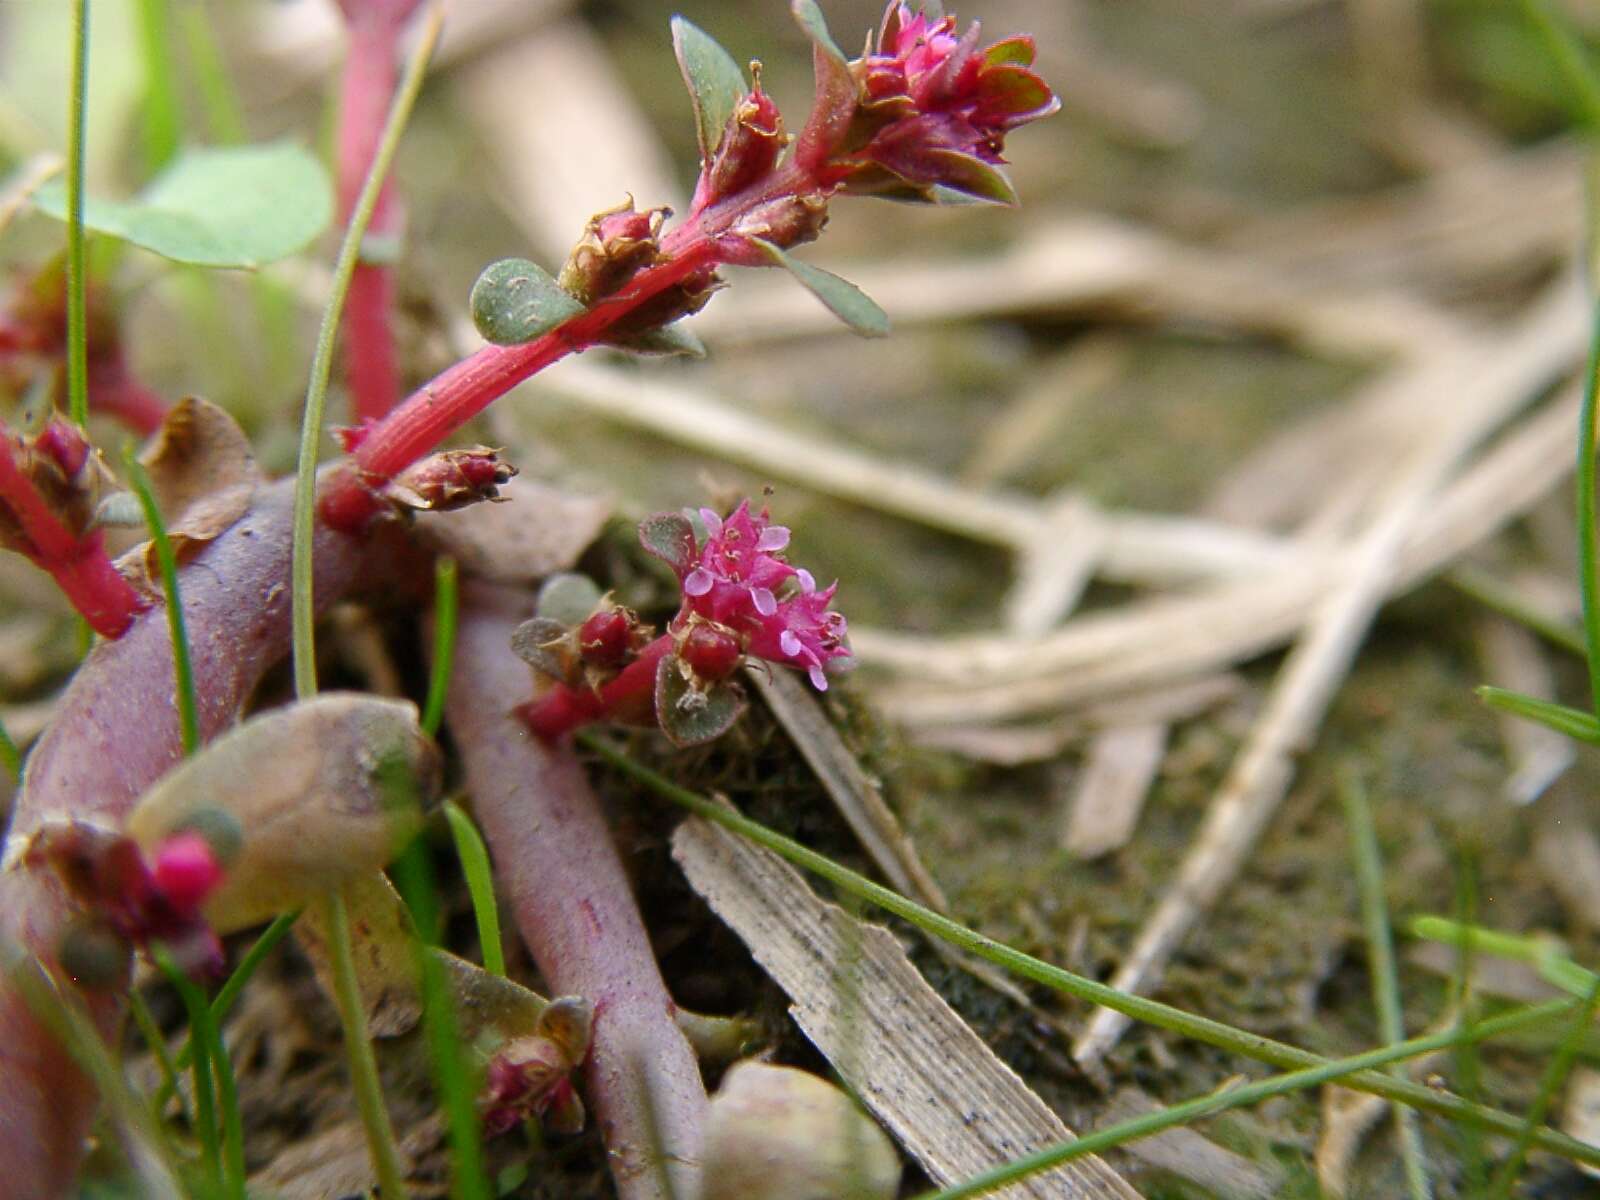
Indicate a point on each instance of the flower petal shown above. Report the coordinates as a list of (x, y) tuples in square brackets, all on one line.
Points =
[(773, 537), (698, 582), (766, 603)]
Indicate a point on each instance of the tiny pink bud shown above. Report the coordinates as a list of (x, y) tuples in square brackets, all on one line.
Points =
[(605, 638), (751, 144), (450, 479), (711, 653), (616, 244), (186, 870)]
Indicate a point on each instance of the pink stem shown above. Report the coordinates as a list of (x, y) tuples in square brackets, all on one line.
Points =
[(451, 399), (78, 563), (570, 895), (114, 734), (562, 709), (370, 73)]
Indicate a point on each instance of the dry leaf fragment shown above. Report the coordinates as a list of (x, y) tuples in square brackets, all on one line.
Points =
[(203, 474)]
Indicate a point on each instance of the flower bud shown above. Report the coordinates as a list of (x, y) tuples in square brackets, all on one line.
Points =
[(749, 148), (604, 639), (186, 869), (616, 244), (775, 1133), (450, 480), (711, 652), (786, 221)]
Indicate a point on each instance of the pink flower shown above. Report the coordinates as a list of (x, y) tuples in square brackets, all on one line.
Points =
[(738, 579), (933, 109)]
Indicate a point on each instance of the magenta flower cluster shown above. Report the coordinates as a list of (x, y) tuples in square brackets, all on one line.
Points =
[(735, 581)]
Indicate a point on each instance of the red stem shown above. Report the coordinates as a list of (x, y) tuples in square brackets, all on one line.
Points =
[(115, 733), (370, 74), (451, 399), (569, 892), (561, 709), (79, 564)]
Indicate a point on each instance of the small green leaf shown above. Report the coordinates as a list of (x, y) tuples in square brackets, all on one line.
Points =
[(690, 717), (1017, 50), (515, 301), (540, 642), (669, 339), (815, 27), (964, 173), (669, 537), (232, 206), (1573, 722), (844, 299), (569, 598), (715, 83)]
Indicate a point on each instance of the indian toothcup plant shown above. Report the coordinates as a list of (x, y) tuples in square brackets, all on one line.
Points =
[(117, 843)]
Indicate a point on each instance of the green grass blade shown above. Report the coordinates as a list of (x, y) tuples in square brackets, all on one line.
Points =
[(1212, 1103), (305, 493), (202, 1039), (151, 1032), (1380, 961), (229, 992), (77, 312), (1573, 722), (1555, 1075), (1588, 579), (458, 1086), (162, 110), (182, 665), (10, 756), (1140, 1008), (446, 604), (1571, 59), (363, 1063), (224, 113), (474, 856), (1498, 596)]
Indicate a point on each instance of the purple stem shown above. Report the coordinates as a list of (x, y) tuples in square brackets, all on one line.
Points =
[(572, 901), (115, 733)]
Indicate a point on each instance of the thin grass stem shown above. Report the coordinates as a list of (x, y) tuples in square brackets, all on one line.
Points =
[(202, 1038), (218, 99), (77, 309), (1140, 1008), (1498, 596), (1380, 961), (229, 992), (1588, 580), (474, 856), (151, 1032), (167, 561), (10, 756), (1571, 60), (162, 111), (1212, 1103), (303, 604), (458, 1088), (1554, 1076), (381, 1144), (446, 607)]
